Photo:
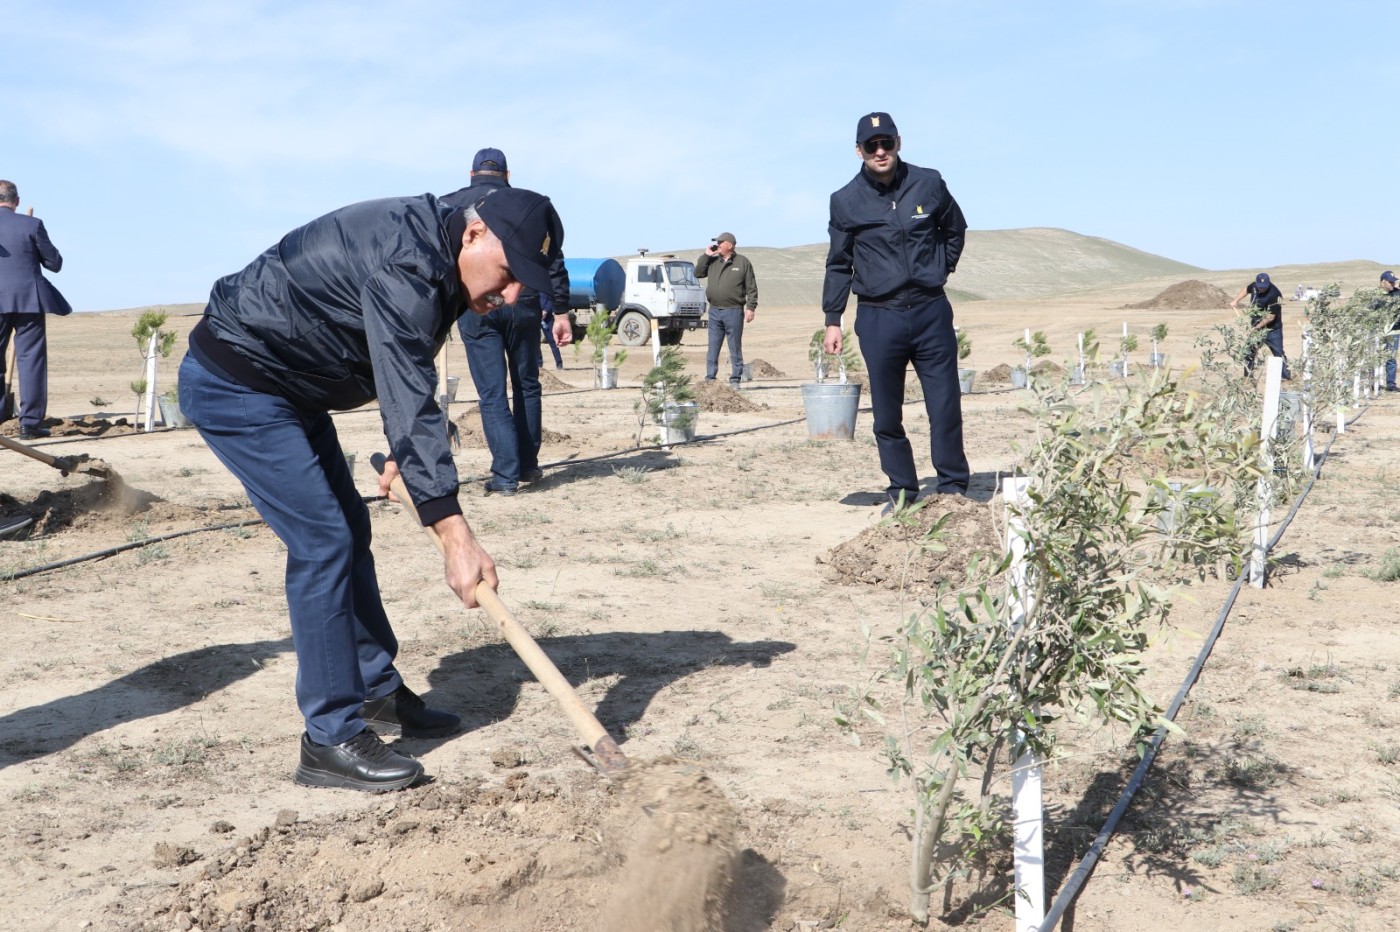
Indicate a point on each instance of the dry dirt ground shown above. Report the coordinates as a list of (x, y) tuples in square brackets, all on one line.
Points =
[(148, 731)]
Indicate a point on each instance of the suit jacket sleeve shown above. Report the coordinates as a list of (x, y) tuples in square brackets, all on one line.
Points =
[(49, 256)]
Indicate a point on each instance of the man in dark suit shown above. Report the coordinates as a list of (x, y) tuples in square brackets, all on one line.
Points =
[(25, 297)]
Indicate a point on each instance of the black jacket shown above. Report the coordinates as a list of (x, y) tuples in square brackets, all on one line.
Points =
[(558, 275), (351, 307), (891, 244)]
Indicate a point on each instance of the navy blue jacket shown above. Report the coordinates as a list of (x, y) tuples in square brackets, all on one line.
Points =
[(24, 247), (892, 244), (351, 307)]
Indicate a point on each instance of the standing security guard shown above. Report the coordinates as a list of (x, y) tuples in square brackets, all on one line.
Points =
[(896, 235)]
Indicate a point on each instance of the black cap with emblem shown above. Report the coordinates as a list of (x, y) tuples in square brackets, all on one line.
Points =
[(529, 229)]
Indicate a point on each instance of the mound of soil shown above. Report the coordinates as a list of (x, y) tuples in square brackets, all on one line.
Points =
[(550, 857), (1001, 373), (99, 504), (766, 370), (89, 426), (889, 555), (552, 436), (718, 396), (550, 382), (1046, 367), (469, 430), (1191, 295)]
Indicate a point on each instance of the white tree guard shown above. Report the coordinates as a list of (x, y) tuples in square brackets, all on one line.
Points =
[(1027, 804), (150, 421), (1273, 380)]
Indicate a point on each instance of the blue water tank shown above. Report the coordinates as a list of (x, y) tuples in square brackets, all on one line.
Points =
[(595, 281)]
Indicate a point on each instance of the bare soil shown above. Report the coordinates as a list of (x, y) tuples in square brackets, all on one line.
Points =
[(1190, 295), (707, 603), (719, 397)]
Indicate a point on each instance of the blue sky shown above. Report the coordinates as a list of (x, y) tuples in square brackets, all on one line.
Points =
[(166, 144)]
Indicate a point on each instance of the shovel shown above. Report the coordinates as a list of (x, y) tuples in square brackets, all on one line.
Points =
[(600, 749), (64, 464)]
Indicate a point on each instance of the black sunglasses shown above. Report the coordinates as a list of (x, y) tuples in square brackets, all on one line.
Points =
[(875, 144)]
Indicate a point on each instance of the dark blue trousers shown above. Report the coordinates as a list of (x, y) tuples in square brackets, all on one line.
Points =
[(726, 321), (891, 339), (32, 361), (507, 341), (292, 467), (1273, 339)]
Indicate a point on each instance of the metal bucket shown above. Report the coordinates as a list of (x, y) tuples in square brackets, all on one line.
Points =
[(171, 414), (452, 383), (1118, 368), (831, 409), (1076, 375), (605, 377), (965, 377), (746, 372), (1157, 360), (678, 422), (1290, 412), (1018, 377)]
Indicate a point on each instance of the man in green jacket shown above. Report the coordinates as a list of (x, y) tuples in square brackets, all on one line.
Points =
[(733, 295)]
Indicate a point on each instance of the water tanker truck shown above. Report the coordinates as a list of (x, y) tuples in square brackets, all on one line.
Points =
[(651, 291)]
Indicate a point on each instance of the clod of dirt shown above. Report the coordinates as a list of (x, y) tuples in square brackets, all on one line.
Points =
[(95, 503), (1191, 295), (679, 871), (552, 436), (889, 555), (167, 855), (716, 396), (766, 370), (221, 827), (1001, 373), (506, 758)]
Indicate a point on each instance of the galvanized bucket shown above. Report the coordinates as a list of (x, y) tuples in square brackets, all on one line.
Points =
[(678, 422), (965, 377), (1019, 379), (605, 377), (452, 383), (171, 414), (831, 409)]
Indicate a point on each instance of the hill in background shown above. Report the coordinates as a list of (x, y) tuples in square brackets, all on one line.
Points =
[(997, 264)]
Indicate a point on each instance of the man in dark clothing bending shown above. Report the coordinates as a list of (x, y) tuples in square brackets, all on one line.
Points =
[(896, 236), (347, 309), (1265, 314)]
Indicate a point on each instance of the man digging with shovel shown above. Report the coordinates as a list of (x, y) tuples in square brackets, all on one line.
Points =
[(352, 307)]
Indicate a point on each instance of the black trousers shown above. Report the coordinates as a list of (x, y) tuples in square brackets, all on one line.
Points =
[(890, 339)]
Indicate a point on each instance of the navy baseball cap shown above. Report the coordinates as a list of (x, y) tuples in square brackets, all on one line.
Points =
[(1262, 280), (875, 124), (1388, 277), (529, 229), (490, 160)]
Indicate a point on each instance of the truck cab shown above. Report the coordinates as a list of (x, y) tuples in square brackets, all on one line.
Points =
[(663, 292)]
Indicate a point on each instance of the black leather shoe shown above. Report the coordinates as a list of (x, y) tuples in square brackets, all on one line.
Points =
[(491, 488), (362, 763), (402, 712), (532, 475), (35, 433)]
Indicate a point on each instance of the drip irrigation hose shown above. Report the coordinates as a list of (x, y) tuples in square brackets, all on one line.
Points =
[(132, 545), (1077, 878)]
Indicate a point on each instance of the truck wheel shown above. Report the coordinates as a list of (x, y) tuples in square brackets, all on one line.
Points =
[(633, 329), (671, 337)]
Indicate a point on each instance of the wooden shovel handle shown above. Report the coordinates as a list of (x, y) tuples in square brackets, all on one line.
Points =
[(64, 465), (609, 756)]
